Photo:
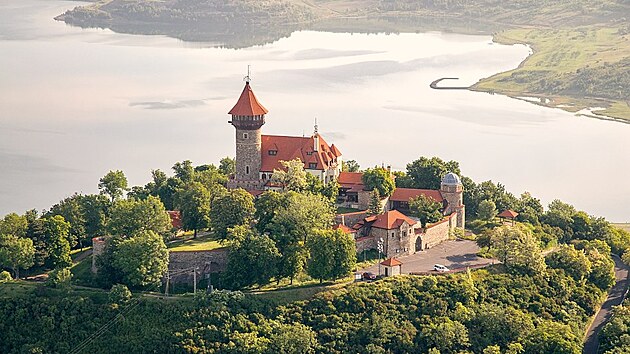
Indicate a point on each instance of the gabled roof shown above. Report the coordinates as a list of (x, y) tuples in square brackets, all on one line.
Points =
[(290, 147), (392, 220), (404, 194), (247, 104), (343, 228), (509, 214), (391, 262), (350, 178)]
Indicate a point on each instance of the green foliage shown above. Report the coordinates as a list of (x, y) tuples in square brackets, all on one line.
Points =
[(573, 262), (553, 337), (332, 254), (380, 179), (615, 335), (427, 173), (426, 209), (16, 253), (14, 224), (59, 278), (119, 294), (351, 166), (5, 276), (517, 249), (233, 209), (292, 177), (227, 166), (266, 206), (128, 217), (487, 210), (113, 184), (138, 261), (375, 207), (194, 204), (50, 238), (252, 258), (475, 194)]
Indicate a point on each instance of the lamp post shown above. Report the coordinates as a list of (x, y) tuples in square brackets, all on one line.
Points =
[(379, 246)]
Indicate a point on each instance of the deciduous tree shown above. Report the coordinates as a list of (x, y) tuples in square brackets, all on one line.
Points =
[(113, 184), (132, 216), (351, 166), (380, 179), (292, 177), (194, 205), (252, 257), (426, 209), (332, 254), (16, 253), (487, 210), (141, 260), (427, 173), (233, 209)]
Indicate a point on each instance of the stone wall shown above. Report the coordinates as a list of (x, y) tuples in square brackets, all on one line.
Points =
[(436, 233), (349, 219), (205, 261), (98, 247), (365, 243)]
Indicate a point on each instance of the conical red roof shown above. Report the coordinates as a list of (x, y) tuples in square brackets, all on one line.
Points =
[(247, 104)]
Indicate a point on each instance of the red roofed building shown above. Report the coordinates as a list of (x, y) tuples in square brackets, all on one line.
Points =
[(257, 155), (176, 219)]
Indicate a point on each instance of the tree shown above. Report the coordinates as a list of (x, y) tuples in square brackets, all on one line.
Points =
[(141, 259), (446, 335), (119, 294), (95, 210), (379, 178), (517, 249), (16, 253), (233, 209), (14, 224), (194, 204), (375, 207), (553, 337), (426, 209), (227, 166), (332, 254), (184, 171), (292, 177), (131, 216), (427, 173), (350, 166), (113, 184), (487, 210), (50, 238), (293, 338), (252, 258), (573, 262), (266, 207), (72, 211), (529, 209), (59, 278)]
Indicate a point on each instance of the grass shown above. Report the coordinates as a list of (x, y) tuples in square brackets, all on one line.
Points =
[(201, 243), (16, 288), (366, 259), (298, 291), (344, 210), (557, 56)]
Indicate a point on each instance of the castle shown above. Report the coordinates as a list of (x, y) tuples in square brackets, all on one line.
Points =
[(257, 156)]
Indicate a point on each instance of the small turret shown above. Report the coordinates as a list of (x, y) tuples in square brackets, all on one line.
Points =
[(452, 191)]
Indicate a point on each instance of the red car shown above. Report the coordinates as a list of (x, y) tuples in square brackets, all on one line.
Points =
[(369, 276)]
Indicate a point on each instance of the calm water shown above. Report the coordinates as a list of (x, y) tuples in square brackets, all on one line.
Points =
[(76, 103)]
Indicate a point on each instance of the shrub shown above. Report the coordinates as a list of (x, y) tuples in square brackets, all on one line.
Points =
[(59, 278), (5, 277), (119, 294)]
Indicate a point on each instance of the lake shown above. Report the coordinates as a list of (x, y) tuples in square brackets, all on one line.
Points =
[(76, 103)]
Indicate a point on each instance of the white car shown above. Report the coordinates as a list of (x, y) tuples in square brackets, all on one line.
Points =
[(440, 268)]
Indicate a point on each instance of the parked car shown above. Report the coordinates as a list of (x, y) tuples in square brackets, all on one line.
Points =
[(440, 268), (369, 276)]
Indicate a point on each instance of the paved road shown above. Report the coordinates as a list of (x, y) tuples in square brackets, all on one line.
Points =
[(615, 297), (453, 254)]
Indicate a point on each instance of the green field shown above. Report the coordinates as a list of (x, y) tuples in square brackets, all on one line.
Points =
[(201, 243), (623, 226), (573, 69)]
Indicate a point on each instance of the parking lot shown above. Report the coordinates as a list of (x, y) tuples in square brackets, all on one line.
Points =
[(455, 254)]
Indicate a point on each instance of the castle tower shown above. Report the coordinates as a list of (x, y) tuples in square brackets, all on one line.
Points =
[(248, 117), (452, 191)]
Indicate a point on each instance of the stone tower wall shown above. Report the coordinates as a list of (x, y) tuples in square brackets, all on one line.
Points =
[(98, 247), (248, 154), (454, 195)]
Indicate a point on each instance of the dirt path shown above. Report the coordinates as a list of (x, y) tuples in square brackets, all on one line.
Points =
[(615, 297)]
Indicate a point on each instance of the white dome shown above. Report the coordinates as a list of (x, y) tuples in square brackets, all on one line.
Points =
[(451, 179)]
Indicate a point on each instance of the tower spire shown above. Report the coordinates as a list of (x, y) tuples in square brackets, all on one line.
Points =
[(248, 78), (316, 127)]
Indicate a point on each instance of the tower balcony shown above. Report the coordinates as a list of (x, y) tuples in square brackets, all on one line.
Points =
[(248, 122)]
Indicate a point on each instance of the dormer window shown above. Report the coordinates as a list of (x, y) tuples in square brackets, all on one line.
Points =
[(245, 136), (273, 152), (309, 153), (312, 165)]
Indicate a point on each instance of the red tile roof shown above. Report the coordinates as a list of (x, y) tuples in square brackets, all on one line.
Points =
[(291, 147), (509, 214), (405, 194), (391, 262), (350, 178), (255, 192), (247, 104), (343, 228), (392, 220)]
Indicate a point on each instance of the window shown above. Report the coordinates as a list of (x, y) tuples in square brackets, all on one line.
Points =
[(245, 136), (312, 165), (309, 153), (404, 233), (273, 152), (247, 170), (393, 234), (264, 176)]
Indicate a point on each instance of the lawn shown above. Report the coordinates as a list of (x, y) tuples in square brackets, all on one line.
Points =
[(552, 70), (201, 243), (285, 294), (344, 210)]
